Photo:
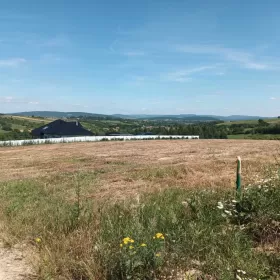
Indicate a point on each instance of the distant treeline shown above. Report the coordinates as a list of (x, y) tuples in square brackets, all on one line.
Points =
[(261, 127), (272, 129), (204, 130)]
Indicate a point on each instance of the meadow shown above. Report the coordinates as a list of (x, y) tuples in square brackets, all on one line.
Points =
[(144, 209)]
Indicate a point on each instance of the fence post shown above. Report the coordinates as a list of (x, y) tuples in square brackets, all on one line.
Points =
[(238, 178)]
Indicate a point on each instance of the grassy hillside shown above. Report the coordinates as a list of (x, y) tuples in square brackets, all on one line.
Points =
[(252, 129), (250, 122), (30, 119), (17, 127)]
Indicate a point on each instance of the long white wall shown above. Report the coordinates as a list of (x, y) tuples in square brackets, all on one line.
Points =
[(93, 139)]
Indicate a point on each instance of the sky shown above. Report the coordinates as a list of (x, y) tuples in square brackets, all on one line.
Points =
[(140, 57)]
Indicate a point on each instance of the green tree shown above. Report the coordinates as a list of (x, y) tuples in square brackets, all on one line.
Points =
[(261, 122)]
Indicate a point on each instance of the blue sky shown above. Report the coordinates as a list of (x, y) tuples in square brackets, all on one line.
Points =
[(148, 57)]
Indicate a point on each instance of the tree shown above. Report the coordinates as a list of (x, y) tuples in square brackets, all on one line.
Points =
[(261, 122)]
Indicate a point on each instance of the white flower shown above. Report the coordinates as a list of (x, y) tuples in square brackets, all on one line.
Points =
[(234, 201), (228, 212), (241, 271), (220, 205)]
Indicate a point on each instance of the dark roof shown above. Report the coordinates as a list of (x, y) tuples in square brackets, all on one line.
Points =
[(61, 128)]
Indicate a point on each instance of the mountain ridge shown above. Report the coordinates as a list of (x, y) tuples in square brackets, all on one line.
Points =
[(198, 117)]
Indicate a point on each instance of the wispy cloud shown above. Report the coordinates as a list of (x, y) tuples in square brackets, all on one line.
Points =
[(244, 59), (12, 62), (37, 40), (33, 102), (6, 99), (15, 100), (80, 105), (272, 98), (185, 74), (134, 53)]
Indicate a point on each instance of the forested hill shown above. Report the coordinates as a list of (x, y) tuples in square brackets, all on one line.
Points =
[(181, 117)]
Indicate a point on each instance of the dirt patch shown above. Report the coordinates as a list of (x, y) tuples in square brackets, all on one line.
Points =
[(13, 265)]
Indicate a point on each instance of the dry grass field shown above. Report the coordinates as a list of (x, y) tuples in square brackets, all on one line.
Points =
[(129, 167), (143, 209)]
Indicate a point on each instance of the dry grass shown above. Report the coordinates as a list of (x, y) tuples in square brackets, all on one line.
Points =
[(54, 192), (130, 167), (40, 120)]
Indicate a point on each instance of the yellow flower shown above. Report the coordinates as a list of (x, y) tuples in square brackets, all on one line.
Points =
[(38, 240), (121, 245), (159, 236), (127, 240), (158, 255), (131, 247), (143, 245)]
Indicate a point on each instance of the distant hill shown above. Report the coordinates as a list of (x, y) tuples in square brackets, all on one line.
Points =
[(181, 117), (57, 114), (193, 117), (240, 118)]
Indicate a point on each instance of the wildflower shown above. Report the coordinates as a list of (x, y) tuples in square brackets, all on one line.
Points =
[(38, 240), (127, 240), (131, 247), (159, 236), (241, 271), (220, 205), (228, 212), (121, 245), (158, 254), (143, 245)]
